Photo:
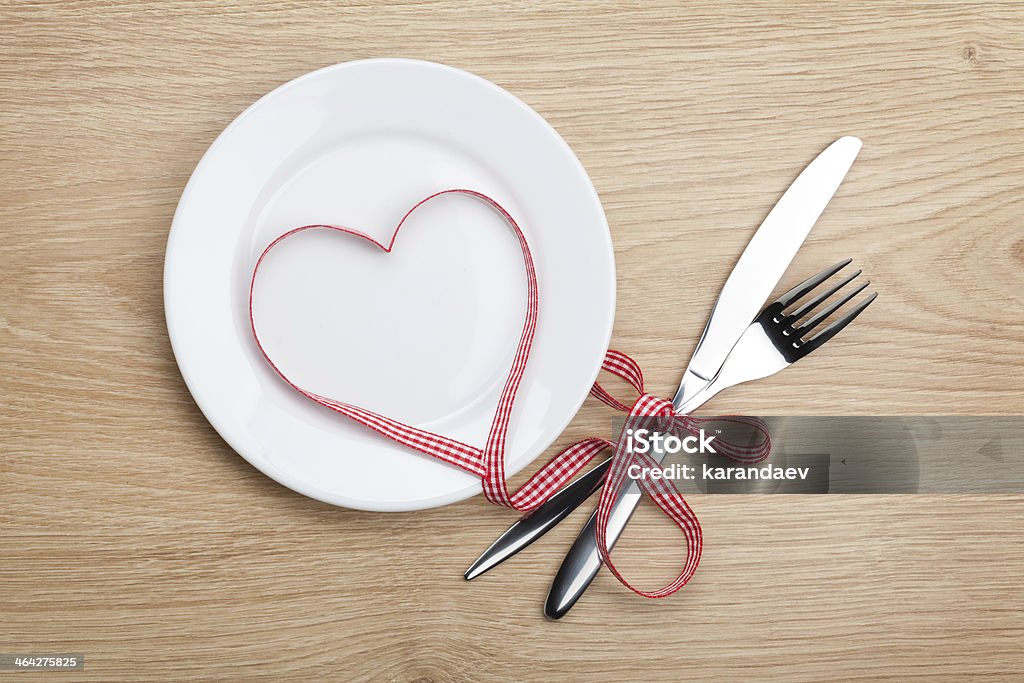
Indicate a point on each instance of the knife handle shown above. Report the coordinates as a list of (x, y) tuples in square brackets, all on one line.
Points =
[(540, 521), (544, 518)]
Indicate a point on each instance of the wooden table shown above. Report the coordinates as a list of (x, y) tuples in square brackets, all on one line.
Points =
[(131, 533)]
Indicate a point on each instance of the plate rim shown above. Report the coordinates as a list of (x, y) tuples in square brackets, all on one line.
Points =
[(267, 468)]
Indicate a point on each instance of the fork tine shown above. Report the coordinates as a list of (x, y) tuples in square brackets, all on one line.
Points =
[(817, 318), (814, 303), (836, 327), (810, 283)]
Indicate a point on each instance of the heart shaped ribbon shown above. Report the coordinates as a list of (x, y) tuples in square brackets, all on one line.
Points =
[(488, 462)]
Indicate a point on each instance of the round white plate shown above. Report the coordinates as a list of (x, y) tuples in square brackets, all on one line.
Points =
[(424, 334)]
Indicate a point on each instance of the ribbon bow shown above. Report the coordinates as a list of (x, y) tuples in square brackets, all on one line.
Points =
[(488, 462)]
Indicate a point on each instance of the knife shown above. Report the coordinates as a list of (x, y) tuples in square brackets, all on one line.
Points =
[(753, 278), (739, 302), (540, 521), (749, 285), (763, 262)]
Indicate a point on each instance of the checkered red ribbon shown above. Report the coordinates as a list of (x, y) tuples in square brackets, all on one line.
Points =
[(488, 462)]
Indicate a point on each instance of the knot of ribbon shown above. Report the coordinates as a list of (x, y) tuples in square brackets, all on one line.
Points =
[(488, 462)]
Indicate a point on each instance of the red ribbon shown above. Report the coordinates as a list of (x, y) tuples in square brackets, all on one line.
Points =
[(488, 462)]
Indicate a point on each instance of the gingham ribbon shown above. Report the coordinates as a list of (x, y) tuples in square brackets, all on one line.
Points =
[(662, 492), (488, 462)]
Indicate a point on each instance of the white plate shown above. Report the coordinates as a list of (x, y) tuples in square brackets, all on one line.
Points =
[(425, 334)]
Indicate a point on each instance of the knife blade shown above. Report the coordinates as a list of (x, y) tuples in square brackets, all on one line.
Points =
[(755, 275), (765, 259)]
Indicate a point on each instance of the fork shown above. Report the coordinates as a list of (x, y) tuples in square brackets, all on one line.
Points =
[(774, 340), (779, 336)]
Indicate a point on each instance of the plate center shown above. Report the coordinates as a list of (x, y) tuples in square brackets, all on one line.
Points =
[(420, 334)]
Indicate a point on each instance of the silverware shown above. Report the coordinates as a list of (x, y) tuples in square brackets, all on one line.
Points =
[(771, 343), (540, 521), (749, 284), (765, 259)]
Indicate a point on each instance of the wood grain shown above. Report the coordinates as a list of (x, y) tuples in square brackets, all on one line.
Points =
[(130, 532)]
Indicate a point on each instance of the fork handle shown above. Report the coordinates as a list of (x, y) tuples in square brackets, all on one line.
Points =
[(583, 561)]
